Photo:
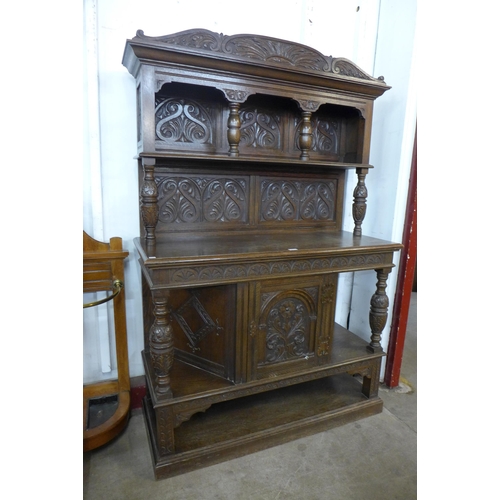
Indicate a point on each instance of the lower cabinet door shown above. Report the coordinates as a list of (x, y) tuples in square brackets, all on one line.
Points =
[(293, 324), (204, 328)]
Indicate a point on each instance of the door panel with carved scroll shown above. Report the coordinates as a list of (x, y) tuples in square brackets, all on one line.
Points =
[(293, 325)]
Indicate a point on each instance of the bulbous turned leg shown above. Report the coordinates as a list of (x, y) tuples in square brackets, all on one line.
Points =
[(379, 305), (234, 128), (305, 137), (359, 206), (149, 202), (161, 344)]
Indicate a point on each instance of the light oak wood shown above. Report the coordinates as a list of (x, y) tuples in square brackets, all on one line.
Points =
[(103, 263)]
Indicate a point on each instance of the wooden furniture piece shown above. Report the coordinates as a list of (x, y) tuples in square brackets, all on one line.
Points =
[(243, 146), (106, 404)]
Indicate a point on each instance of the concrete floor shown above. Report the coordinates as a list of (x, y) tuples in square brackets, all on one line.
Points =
[(374, 458)]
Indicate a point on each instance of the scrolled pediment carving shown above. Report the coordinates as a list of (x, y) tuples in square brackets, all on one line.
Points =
[(265, 50)]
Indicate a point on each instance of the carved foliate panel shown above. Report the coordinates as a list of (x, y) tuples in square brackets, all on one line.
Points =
[(288, 330), (287, 316), (297, 200), (184, 121), (202, 199), (260, 129)]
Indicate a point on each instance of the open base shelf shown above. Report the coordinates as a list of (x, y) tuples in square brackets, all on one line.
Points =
[(236, 428), (251, 417)]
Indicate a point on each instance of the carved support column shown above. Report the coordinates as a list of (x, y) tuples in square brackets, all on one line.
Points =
[(234, 128), (379, 305), (359, 206), (149, 201), (161, 344), (305, 138)]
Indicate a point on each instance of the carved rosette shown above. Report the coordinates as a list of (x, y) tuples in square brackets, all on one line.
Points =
[(161, 345), (379, 305), (328, 293), (324, 347)]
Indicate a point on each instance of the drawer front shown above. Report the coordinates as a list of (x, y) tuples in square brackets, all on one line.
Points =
[(293, 325)]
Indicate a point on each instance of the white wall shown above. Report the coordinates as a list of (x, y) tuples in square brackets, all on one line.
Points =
[(376, 35)]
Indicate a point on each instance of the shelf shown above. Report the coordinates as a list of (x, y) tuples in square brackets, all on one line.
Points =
[(248, 163), (235, 428), (176, 249)]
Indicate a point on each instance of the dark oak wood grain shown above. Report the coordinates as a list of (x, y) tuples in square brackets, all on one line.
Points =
[(244, 143)]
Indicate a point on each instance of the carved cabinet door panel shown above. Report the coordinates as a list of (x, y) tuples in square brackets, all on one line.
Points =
[(204, 328), (293, 325)]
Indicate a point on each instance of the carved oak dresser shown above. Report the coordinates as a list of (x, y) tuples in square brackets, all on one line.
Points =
[(243, 146)]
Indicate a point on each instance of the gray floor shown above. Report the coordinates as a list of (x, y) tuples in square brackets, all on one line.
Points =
[(374, 458)]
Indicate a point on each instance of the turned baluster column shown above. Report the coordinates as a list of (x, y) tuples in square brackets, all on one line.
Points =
[(379, 305), (235, 98), (161, 344), (149, 201), (359, 206), (234, 128), (305, 137)]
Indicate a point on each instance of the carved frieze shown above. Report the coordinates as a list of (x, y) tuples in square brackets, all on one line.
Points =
[(237, 272), (306, 200), (202, 199)]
